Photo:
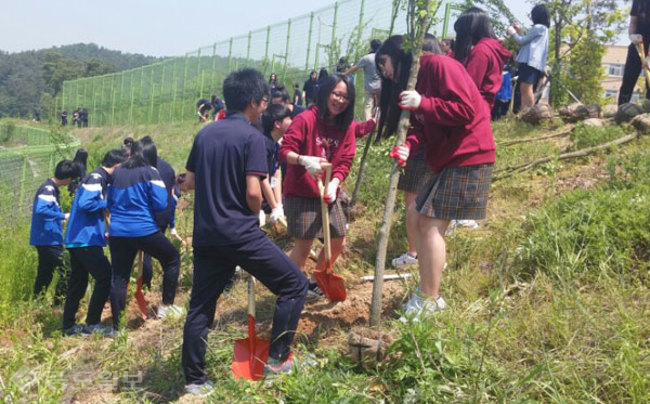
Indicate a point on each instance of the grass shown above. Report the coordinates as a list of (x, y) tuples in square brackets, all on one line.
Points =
[(549, 298)]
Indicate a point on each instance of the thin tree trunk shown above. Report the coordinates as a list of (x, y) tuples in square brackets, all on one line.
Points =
[(355, 193), (384, 231), (563, 132)]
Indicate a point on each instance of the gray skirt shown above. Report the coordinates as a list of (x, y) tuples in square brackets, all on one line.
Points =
[(304, 219)]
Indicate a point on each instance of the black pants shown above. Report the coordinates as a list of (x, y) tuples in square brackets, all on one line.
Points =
[(147, 265), (84, 261), (50, 257), (123, 252), (633, 66), (213, 267), (500, 109)]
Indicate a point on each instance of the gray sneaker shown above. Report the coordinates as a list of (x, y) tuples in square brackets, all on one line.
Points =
[(201, 390), (101, 329), (314, 293), (76, 330), (418, 307), (171, 311), (274, 367), (404, 260)]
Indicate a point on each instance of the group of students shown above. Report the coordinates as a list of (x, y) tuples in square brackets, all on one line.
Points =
[(234, 170), (127, 203), (79, 117)]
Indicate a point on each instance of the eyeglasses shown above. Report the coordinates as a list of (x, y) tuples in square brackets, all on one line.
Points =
[(339, 96)]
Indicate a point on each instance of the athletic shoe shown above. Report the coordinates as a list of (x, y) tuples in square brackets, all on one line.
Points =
[(275, 367), (404, 260), (169, 311), (314, 292), (454, 224), (103, 330), (200, 390), (419, 307), (75, 330)]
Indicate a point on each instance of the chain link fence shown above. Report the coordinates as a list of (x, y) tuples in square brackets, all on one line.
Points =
[(27, 158), (168, 91)]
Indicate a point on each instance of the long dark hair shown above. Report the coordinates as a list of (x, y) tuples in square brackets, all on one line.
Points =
[(138, 158), (540, 15), (471, 26), (391, 89), (344, 119)]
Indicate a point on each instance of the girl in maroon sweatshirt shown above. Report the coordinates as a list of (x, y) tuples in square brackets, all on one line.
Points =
[(477, 48), (459, 149), (326, 132)]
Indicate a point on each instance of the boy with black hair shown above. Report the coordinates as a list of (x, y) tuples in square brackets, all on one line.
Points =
[(46, 232), (226, 167), (275, 122), (85, 240), (280, 95)]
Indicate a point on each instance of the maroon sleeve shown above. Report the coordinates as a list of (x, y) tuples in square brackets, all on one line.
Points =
[(452, 103), (342, 161), (477, 67), (363, 128), (293, 138)]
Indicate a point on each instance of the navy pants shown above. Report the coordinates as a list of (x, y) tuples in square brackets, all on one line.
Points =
[(50, 258), (83, 261), (213, 268), (631, 74), (123, 252), (147, 265)]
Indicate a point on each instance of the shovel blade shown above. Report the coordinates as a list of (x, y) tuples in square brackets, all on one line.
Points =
[(139, 298), (247, 364), (331, 284)]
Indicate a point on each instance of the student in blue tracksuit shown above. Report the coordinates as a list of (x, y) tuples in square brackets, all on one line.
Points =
[(46, 232), (85, 239), (162, 217), (226, 166), (136, 193)]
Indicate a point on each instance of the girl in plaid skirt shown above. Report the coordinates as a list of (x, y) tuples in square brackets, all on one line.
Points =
[(459, 150), (325, 132)]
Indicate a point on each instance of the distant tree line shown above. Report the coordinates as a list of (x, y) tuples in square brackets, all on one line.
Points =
[(30, 80)]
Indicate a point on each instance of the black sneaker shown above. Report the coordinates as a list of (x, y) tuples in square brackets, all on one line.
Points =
[(75, 330), (314, 292)]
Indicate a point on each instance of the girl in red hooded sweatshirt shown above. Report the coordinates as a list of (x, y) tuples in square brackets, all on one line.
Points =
[(325, 132), (459, 150)]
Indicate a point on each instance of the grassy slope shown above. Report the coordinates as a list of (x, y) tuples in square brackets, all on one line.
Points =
[(532, 318)]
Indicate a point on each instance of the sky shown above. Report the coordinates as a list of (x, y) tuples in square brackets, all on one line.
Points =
[(153, 28)]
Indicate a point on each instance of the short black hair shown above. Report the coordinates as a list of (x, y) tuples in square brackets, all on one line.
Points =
[(374, 45), (280, 92), (344, 119), (274, 113), (128, 141), (113, 157), (431, 44), (540, 15), (243, 86), (66, 169)]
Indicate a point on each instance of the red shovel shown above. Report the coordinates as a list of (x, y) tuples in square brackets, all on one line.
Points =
[(331, 284), (139, 296), (250, 354)]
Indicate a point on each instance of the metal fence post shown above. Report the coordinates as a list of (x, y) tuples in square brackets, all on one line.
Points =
[(21, 201), (266, 50), (286, 52), (311, 27), (187, 55), (359, 29), (248, 49), (150, 119), (333, 44), (230, 56)]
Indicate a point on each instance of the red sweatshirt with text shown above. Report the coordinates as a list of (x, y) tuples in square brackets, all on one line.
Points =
[(452, 119), (485, 66), (310, 136)]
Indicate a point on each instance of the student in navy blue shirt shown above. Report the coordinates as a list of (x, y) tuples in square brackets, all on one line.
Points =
[(136, 193), (46, 232), (85, 240), (162, 217), (280, 95), (226, 166)]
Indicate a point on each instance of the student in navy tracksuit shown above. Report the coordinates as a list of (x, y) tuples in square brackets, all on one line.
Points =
[(46, 233), (226, 166), (136, 193), (85, 240), (162, 217)]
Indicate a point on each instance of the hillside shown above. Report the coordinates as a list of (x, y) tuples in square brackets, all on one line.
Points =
[(548, 298), (29, 80)]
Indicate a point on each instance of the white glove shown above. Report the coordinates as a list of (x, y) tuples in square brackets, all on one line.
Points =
[(510, 31), (174, 232), (636, 38), (401, 153), (646, 65), (67, 216), (277, 213), (330, 192), (311, 164), (410, 100)]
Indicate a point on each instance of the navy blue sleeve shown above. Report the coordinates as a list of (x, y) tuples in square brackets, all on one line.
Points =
[(91, 198), (256, 162), (158, 191), (46, 205)]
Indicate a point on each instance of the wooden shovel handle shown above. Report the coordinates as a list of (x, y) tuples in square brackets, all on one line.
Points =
[(325, 213)]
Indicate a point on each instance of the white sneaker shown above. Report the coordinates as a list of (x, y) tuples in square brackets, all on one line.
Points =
[(169, 311), (454, 224), (200, 390), (404, 260), (420, 307)]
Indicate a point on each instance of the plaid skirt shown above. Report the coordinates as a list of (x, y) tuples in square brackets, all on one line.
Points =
[(459, 193), (304, 219), (416, 171)]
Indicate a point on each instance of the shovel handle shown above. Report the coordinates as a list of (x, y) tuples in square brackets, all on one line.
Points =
[(640, 48), (325, 222), (251, 296)]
